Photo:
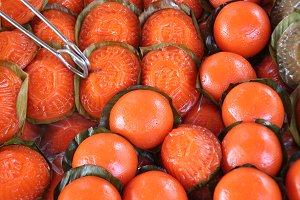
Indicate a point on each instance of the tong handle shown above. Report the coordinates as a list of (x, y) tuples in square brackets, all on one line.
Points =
[(70, 49), (28, 33), (39, 15)]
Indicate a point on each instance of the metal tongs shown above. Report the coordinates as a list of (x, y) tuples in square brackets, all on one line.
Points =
[(69, 48)]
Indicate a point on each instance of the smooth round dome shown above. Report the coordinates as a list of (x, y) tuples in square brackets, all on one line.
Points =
[(217, 3), (110, 151), (219, 70), (144, 117), (243, 28), (246, 183), (154, 185), (252, 143), (292, 181), (252, 100), (89, 188)]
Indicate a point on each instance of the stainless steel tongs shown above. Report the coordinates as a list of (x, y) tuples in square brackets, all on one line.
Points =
[(69, 48)]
